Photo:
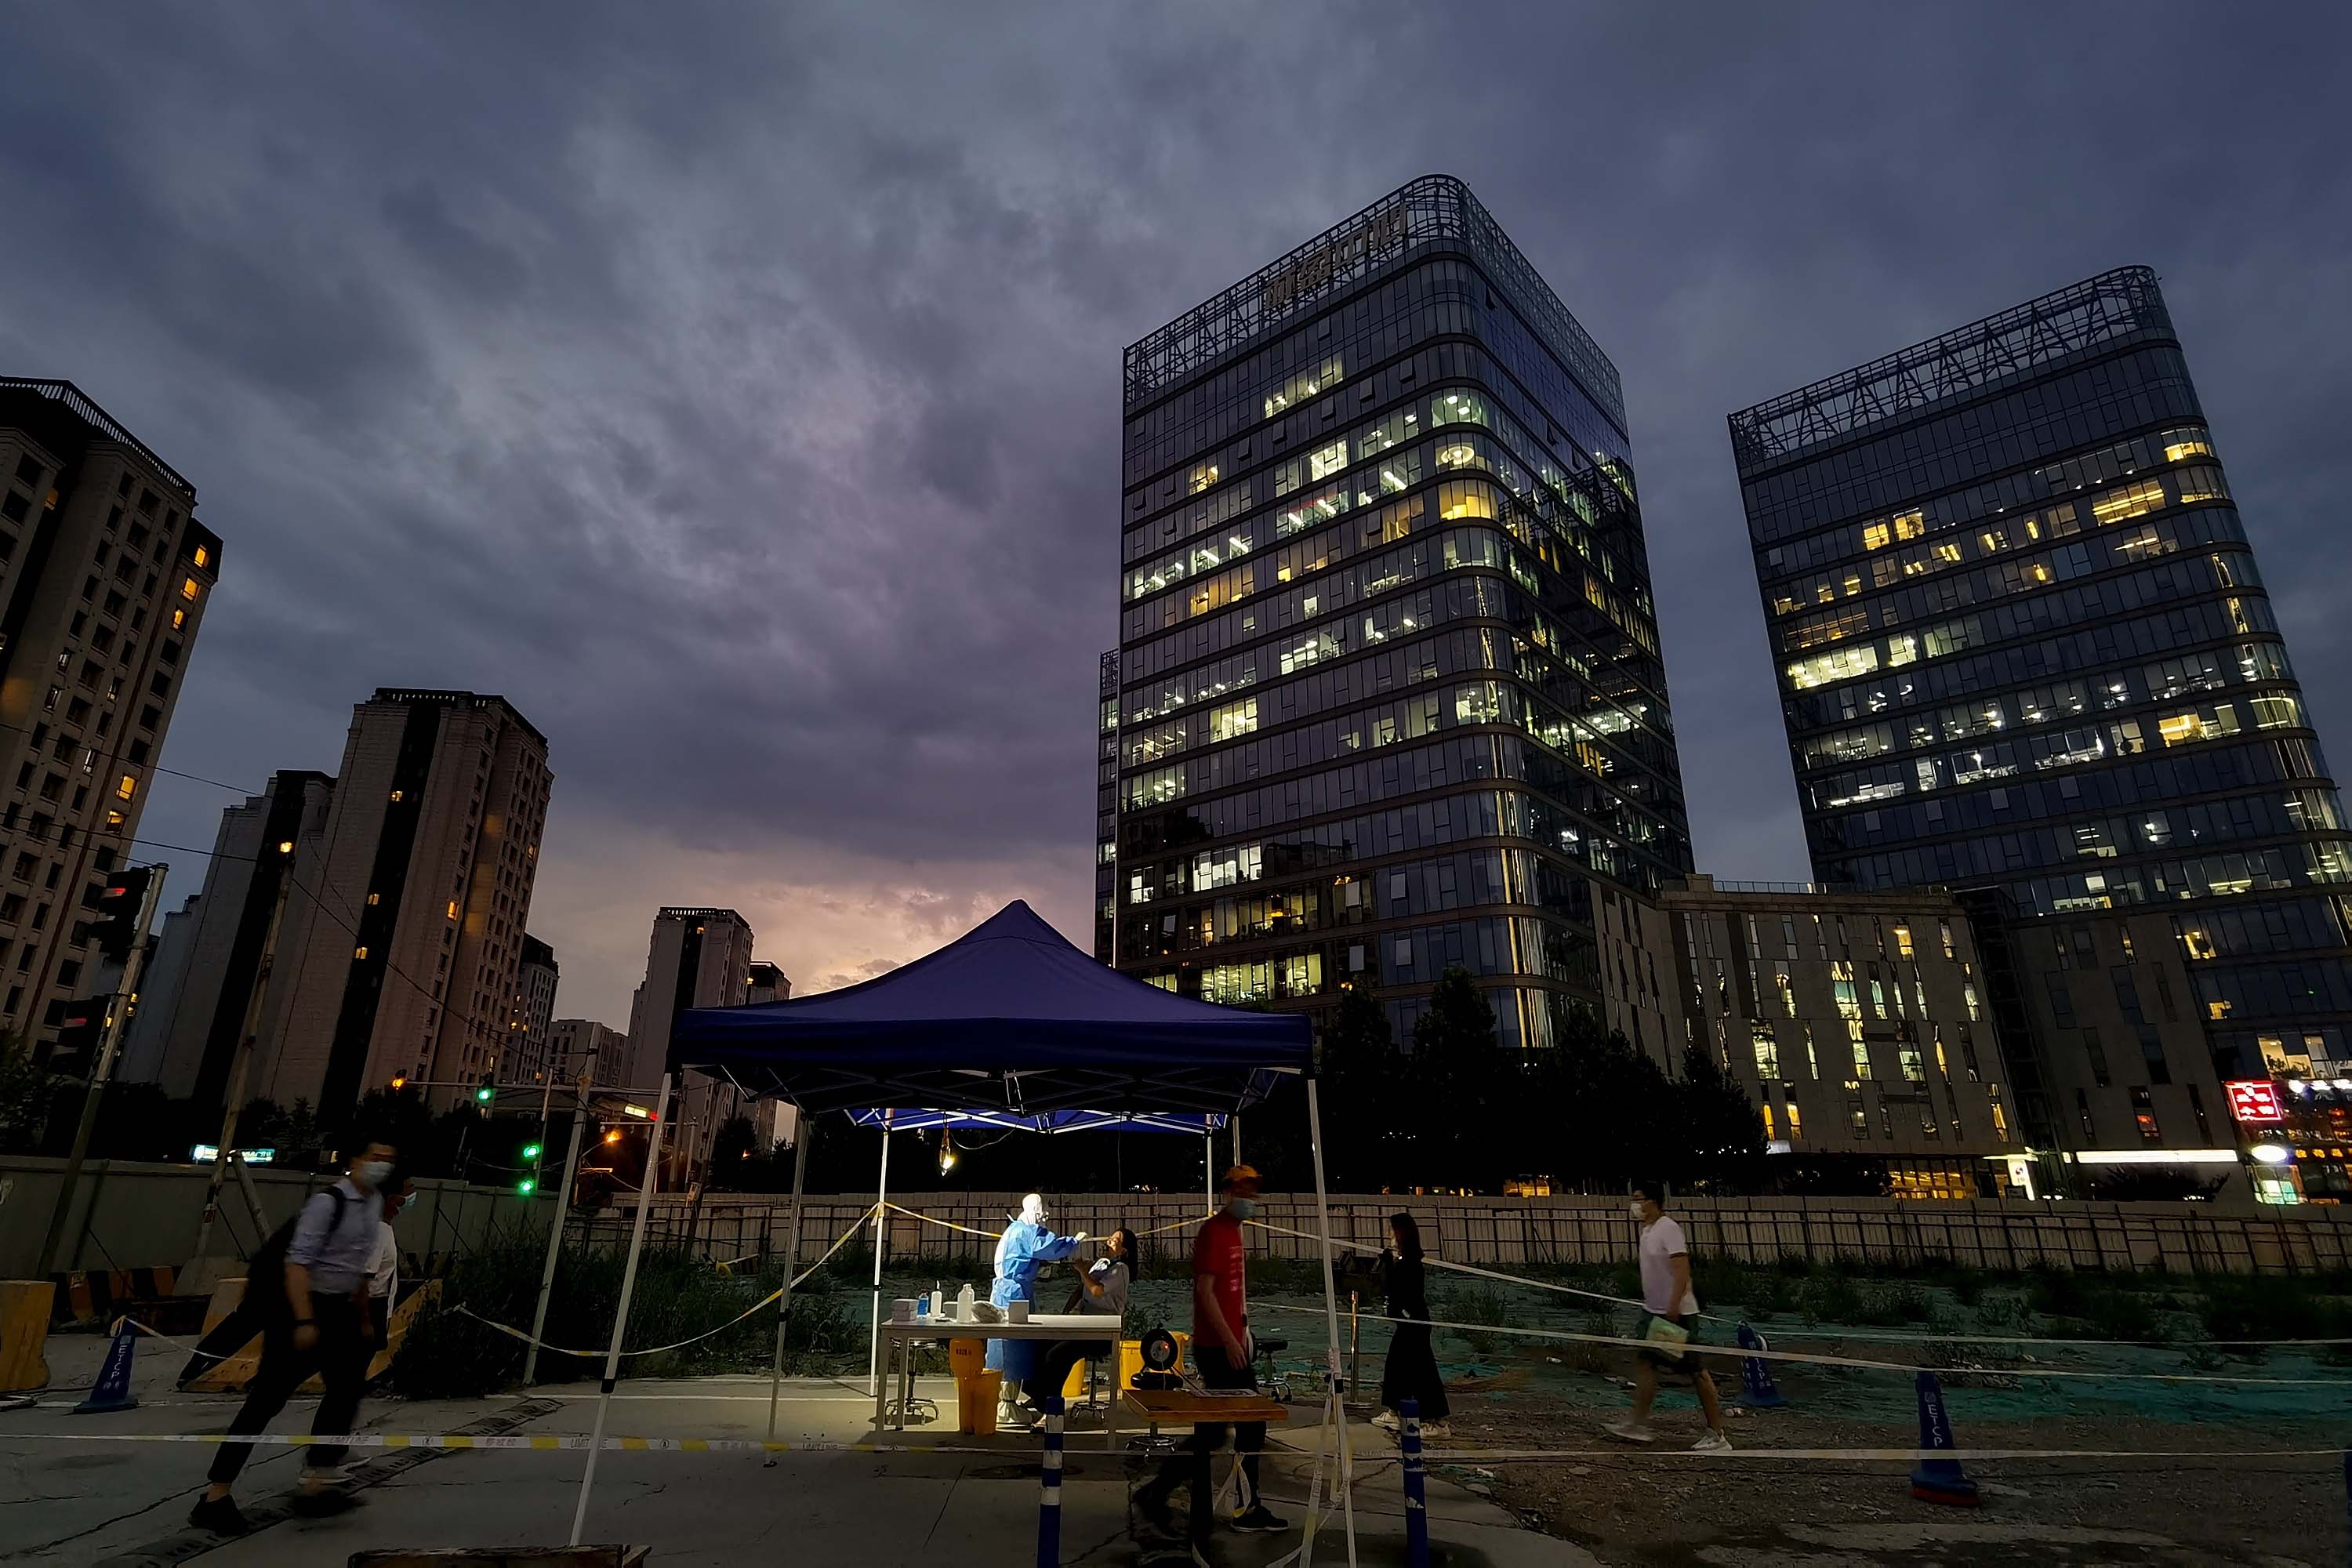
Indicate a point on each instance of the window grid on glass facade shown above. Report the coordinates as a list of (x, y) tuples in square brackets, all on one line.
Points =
[(1389, 696)]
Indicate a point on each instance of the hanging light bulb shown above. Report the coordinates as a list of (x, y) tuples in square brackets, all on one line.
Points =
[(946, 1152)]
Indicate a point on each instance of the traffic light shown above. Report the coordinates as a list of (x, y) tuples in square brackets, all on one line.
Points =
[(531, 1150), (526, 1185), (488, 1090), (116, 929), (82, 1026), (399, 1082)]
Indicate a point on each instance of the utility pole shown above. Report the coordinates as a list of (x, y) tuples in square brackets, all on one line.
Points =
[(118, 1012), (562, 1208), (247, 1039)]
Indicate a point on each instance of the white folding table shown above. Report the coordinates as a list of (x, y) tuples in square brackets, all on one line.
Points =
[(901, 1338)]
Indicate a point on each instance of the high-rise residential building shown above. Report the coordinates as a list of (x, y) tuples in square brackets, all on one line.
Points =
[(698, 957), (767, 983), (577, 1045), (2024, 651), (409, 965), (533, 1016), (1388, 696), (105, 574), (195, 1000)]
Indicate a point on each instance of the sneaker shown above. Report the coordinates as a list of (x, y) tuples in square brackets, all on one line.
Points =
[(218, 1515), (1013, 1418), (1387, 1421), (1435, 1429), (1260, 1521), (1712, 1443), (1158, 1518), (1631, 1432)]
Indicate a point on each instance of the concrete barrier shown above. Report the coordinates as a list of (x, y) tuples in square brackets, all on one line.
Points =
[(23, 1330)]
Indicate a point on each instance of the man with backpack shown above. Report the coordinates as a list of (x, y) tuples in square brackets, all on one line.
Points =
[(318, 1320)]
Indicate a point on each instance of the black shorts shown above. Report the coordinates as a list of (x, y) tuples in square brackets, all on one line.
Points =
[(1678, 1361)]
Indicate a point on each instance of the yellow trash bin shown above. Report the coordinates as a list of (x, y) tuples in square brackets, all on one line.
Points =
[(976, 1403), (965, 1359)]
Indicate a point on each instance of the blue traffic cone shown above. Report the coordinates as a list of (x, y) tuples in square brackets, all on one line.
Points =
[(1755, 1387), (1939, 1480), (112, 1389)]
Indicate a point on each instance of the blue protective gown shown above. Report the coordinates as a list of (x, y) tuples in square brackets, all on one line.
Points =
[(1019, 1250)]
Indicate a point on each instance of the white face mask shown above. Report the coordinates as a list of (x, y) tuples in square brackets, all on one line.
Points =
[(1635, 1208), (371, 1173)]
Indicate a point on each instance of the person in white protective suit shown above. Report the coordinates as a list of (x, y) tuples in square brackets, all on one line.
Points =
[(1026, 1243)]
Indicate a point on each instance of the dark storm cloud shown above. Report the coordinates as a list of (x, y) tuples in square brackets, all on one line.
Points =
[(736, 388)]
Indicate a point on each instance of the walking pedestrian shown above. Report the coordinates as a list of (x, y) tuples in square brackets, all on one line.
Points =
[(384, 1269), (1411, 1370), (1670, 1324), (1220, 1351), (321, 1325)]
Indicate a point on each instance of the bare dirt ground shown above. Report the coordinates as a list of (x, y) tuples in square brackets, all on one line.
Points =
[(1666, 1508)]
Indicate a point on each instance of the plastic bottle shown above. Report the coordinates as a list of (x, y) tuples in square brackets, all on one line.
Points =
[(964, 1304)]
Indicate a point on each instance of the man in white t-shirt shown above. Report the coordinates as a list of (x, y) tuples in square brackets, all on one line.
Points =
[(1670, 1321)]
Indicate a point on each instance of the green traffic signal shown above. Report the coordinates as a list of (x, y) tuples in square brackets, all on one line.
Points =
[(531, 1150), (485, 1094), (525, 1186)]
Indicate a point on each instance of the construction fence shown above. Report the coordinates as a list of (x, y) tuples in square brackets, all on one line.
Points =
[(1991, 1235)]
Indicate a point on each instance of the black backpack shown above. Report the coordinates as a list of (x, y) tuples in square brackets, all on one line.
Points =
[(265, 1271)]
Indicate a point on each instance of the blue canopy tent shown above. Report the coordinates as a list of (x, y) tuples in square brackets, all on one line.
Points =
[(1007, 1021)]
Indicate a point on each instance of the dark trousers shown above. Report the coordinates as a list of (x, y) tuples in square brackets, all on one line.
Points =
[(226, 1338), (1053, 1364), (340, 1358), (1192, 1467)]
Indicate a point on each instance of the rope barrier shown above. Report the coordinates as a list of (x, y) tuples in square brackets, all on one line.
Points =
[(1736, 1352), (553, 1442), (1927, 1336), (769, 1299)]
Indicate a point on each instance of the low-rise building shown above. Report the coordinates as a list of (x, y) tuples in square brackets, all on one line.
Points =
[(1858, 1023)]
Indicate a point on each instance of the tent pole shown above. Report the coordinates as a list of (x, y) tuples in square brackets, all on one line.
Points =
[(1209, 1168), (806, 1129), (1331, 1324), (1235, 1123), (621, 1317), (881, 1218)]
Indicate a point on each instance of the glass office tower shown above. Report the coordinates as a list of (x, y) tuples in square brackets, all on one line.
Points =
[(1388, 696), (2022, 646)]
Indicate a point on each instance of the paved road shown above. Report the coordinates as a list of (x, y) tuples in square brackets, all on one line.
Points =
[(72, 1500)]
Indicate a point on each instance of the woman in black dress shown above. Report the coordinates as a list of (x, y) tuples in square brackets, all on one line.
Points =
[(1412, 1367)]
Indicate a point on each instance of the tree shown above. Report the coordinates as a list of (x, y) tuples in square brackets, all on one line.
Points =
[(1459, 1083), (1362, 1073), (1598, 1111), (1721, 1142), (29, 1093)]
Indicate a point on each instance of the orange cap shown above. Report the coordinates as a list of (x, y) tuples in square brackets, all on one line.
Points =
[(1239, 1177)]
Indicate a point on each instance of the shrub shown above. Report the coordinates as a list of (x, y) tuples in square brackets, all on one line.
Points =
[(448, 1355), (1480, 1304), (1832, 1299)]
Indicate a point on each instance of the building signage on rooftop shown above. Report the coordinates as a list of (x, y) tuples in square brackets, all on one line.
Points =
[(2255, 1100), (1318, 265)]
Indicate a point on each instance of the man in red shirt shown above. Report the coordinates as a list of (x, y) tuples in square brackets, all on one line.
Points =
[(1221, 1351)]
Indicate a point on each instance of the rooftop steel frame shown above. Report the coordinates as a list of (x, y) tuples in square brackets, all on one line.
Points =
[(2113, 307), (1434, 207), (98, 419)]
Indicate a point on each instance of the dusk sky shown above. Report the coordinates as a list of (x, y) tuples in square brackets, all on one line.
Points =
[(736, 388)]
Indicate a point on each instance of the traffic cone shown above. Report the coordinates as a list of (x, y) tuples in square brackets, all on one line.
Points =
[(1755, 1387), (112, 1389), (1939, 1480)]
